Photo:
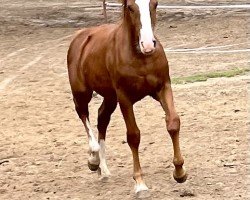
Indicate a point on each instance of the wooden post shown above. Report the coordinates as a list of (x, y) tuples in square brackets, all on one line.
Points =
[(105, 11)]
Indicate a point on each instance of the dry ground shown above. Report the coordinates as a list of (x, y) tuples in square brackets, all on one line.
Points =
[(43, 147)]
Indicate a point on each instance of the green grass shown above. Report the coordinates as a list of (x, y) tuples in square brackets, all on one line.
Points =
[(206, 76)]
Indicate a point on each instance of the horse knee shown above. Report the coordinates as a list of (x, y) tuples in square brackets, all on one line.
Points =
[(104, 114), (173, 125), (133, 138)]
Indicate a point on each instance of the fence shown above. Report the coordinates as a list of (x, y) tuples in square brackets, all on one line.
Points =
[(107, 5)]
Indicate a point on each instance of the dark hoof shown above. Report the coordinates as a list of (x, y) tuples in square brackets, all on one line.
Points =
[(144, 194), (93, 167), (180, 179)]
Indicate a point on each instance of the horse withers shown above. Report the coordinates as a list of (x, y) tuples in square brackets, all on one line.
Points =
[(123, 63)]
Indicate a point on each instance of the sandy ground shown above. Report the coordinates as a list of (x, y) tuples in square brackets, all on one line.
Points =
[(43, 146)]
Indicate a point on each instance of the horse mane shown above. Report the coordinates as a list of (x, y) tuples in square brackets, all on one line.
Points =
[(124, 5)]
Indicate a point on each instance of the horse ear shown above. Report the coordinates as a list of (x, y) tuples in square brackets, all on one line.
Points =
[(124, 2)]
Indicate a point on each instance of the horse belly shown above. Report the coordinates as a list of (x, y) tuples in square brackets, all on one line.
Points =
[(103, 86)]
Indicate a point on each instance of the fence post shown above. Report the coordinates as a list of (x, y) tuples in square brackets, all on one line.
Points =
[(104, 10)]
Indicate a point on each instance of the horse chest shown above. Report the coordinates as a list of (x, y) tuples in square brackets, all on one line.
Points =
[(139, 82)]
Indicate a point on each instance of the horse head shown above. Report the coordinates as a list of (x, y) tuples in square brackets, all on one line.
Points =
[(141, 15)]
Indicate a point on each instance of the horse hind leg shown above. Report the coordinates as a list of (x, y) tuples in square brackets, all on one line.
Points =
[(104, 113), (81, 100)]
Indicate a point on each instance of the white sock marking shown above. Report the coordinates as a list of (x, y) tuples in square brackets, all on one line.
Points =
[(94, 158), (93, 144), (103, 164)]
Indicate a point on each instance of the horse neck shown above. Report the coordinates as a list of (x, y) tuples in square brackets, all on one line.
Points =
[(127, 32)]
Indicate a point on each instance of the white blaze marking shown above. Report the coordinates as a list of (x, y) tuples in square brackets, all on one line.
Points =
[(146, 32), (103, 164)]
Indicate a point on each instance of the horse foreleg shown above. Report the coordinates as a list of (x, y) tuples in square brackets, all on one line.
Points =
[(133, 139), (104, 113), (165, 96)]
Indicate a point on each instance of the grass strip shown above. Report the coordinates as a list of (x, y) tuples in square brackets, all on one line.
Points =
[(206, 76)]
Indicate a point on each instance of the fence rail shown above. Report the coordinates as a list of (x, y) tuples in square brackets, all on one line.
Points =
[(207, 7), (107, 5)]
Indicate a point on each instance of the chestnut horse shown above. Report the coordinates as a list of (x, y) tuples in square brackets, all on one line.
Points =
[(123, 63)]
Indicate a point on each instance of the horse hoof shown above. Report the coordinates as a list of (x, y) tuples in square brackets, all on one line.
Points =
[(144, 194), (93, 167), (103, 177), (180, 179)]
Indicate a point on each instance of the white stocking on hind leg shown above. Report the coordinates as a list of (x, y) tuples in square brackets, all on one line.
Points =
[(81, 100), (104, 113), (97, 157), (94, 147), (103, 170)]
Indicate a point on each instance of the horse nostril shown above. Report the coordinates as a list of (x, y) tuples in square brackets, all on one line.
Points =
[(142, 44), (154, 41)]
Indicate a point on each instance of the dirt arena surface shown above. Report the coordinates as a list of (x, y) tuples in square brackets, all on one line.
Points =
[(43, 146)]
